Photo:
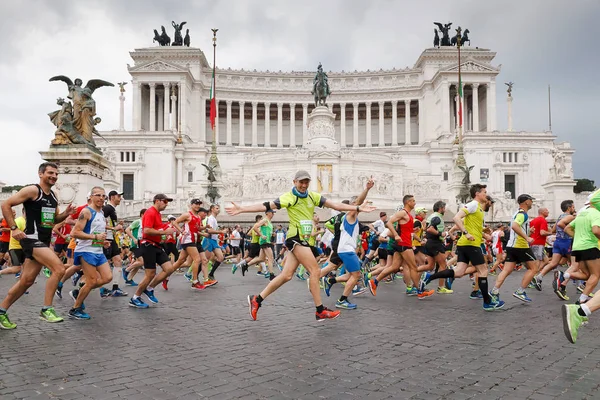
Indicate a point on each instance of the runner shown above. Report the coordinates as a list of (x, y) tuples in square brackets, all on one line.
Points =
[(539, 233), (90, 230), (518, 250), (434, 247), (113, 251), (170, 243), (418, 241), (152, 252), (253, 250), (468, 248), (41, 213), (62, 231), (15, 251), (134, 231), (585, 230), (212, 242), (497, 248), (300, 204), (5, 239), (265, 229), (235, 239), (279, 240)]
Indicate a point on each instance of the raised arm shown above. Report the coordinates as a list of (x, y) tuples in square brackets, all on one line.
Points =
[(235, 209)]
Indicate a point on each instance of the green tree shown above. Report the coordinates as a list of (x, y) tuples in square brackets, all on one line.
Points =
[(9, 189), (584, 185)]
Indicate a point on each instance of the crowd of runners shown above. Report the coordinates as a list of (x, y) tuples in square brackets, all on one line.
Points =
[(91, 247)]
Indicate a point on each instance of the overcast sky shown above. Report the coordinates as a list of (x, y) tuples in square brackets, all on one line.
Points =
[(539, 42)]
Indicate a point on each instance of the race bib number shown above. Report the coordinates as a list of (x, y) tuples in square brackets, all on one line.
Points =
[(47, 219), (306, 227), (97, 242)]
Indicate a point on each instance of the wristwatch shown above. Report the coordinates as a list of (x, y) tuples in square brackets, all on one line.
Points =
[(14, 227), (465, 232)]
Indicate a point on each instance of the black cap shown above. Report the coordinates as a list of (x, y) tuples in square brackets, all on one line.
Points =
[(490, 199), (162, 196), (523, 198), (202, 209), (382, 214), (196, 201), (114, 193), (345, 201)]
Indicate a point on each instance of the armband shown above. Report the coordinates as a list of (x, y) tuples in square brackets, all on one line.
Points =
[(267, 205)]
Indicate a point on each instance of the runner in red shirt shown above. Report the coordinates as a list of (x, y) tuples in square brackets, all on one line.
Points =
[(152, 251), (539, 232), (4, 239)]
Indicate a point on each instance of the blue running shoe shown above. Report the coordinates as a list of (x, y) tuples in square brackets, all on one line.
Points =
[(494, 305), (17, 275), (234, 268), (78, 313), (476, 295), (59, 290), (137, 303), (74, 293), (75, 278), (326, 285), (449, 282), (522, 296), (188, 277), (427, 277), (345, 305), (105, 293), (118, 293), (412, 292), (150, 295), (131, 283)]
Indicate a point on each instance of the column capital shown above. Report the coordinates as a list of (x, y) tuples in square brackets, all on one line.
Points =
[(381, 103), (241, 103), (475, 85), (152, 85), (228, 102), (166, 84), (280, 105), (342, 105), (368, 103), (394, 103), (355, 104), (267, 104), (254, 104), (292, 105), (407, 102)]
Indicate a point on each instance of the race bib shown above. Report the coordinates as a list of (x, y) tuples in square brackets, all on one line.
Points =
[(47, 219), (97, 242), (306, 227)]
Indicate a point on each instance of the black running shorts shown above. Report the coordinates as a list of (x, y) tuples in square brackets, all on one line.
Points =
[(112, 251), (519, 256), (470, 254), (29, 244), (434, 247), (154, 255), (17, 257), (586, 255)]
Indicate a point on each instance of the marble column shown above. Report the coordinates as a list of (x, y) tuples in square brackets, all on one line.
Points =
[(121, 112), (445, 97), (183, 108), (368, 141), (421, 123), (279, 124), (267, 124), (475, 87), (394, 123), (228, 139), (381, 125), (343, 125), (179, 157), (174, 111), (407, 139), (167, 93), (241, 123), (137, 105), (355, 124), (491, 107), (304, 122), (292, 125), (152, 106), (160, 113), (254, 123)]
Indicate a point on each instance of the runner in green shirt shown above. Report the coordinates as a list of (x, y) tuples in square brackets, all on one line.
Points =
[(300, 204)]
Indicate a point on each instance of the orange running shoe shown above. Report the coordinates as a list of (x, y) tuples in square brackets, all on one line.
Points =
[(165, 283), (425, 293), (372, 287), (253, 306), (327, 314), (198, 286), (210, 282)]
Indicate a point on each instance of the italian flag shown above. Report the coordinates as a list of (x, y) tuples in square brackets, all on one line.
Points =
[(460, 100), (213, 104)]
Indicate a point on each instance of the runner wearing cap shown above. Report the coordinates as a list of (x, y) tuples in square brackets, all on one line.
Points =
[(113, 251), (264, 228), (153, 252), (417, 240), (190, 242), (518, 250), (300, 204), (134, 231)]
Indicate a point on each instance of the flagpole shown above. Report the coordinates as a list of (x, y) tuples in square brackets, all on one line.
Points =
[(460, 159), (214, 161)]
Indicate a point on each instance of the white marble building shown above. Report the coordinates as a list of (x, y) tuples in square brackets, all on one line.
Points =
[(397, 125)]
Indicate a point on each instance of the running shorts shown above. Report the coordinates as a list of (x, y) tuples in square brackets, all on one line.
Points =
[(29, 244), (153, 255), (94, 259), (586, 255), (519, 256), (470, 254)]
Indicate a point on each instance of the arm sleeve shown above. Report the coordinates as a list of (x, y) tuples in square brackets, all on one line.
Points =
[(435, 221)]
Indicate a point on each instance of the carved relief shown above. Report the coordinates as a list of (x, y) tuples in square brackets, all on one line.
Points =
[(426, 189)]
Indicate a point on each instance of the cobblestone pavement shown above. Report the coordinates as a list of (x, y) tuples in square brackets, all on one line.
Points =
[(204, 344)]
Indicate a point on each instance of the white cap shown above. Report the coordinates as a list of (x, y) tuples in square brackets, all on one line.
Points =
[(170, 217)]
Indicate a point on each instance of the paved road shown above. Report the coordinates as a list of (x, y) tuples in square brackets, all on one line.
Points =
[(203, 344)]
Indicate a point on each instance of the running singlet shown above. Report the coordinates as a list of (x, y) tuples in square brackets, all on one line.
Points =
[(300, 211), (405, 231), (39, 216), (111, 214), (437, 221), (312, 240), (473, 224), (515, 240), (255, 236), (348, 236), (267, 231), (583, 223), (5, 237), (64, 230), (211, 221), (136, 231), (560, 232), (95, 225), (191, 230)]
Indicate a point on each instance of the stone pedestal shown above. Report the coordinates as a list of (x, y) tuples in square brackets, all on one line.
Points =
[(321, 130), (557, 191), (80, 168)]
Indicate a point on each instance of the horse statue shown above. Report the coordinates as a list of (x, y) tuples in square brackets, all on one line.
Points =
[(165, 38), (463, 39), (436, 38), (320, 87)]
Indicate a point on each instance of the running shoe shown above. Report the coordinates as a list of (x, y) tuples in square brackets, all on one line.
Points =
[(75, 278), (425, 293), (476, 295), (366, 279), (345, 305), (124, 273), (104, 293), (443, 290), (244, 269), (131, 282), (326, 285), (78, 313), (253, 306), (49, 315), (279, 266), (572, 321), (412, 291), (494, 305), (359, 291), (59, 290), (234, 268), (46, 272), (449, 282), (188, 277), (18, 275), (326, 314), (165, 284), (118, 293), (537, 281), (150, 295), (562, 293), (492, 273), (581, 288), (5, 322), (522, 296), (372, 287), (198, 286), (580, 302), (531, 285), (74, 293), (137, 303), (210, 282), (558, 280), (260, 273)]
